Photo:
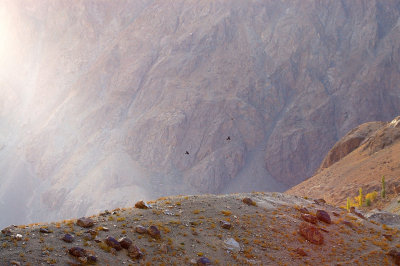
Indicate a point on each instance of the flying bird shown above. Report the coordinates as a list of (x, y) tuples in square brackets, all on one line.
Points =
[(187, 152), (228, 138)]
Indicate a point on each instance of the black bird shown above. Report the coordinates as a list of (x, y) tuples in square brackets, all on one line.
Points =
[(228, 138), (187, 152)]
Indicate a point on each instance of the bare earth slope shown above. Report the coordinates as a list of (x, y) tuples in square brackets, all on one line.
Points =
[(102, 99), (376, 155), (271, 231)]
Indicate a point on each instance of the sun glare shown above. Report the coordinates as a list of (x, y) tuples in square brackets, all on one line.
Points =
[(4, 31)]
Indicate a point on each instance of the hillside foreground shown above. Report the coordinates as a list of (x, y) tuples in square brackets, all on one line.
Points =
[(252, 228)]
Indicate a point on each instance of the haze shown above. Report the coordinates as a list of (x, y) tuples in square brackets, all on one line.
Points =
[(100, 100)]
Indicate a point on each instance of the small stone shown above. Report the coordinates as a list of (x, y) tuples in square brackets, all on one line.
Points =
[(91, 259), (85, 222), (249, 202), (323, 216), (82, 260), (125, 242), (14, 262), (154, 232), (232, 244), (77, 252), (320, 201), (68, 238), (44, 230), (395, 255), (7, 231), (112, 242), (304, 210), (388, 237), (103, 228), (105, 213), (140, 229), (336, 214), (193, 262), (225, 224), (141, 205), (301, 252), (311, 233), (134, 252), (309, 218), (18, 237), (203, 261)]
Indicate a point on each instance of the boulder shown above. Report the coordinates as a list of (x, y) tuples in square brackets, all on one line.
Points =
[(323, 216), (85, 222), (311, 234)]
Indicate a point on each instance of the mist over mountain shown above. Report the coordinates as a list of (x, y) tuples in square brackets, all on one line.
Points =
[(100, 101)]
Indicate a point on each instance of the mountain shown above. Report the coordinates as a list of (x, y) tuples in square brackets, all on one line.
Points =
[(122, 100), (207, 230), (359, 160)]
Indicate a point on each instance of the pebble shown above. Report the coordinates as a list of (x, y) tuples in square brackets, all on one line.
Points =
[(140, 229), (125, 242), (249, 202), (203, 261), (134, 252), (232, 245), (77, 252), (44, 230), (112, 242), (324, 216), (225, 224), (85, 222), (309, 218), (154, 232), (141, 205), (68, 238)]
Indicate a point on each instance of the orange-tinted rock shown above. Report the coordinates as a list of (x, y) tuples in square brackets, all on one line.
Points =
[(311, 233), (324, 216), (309, 218), (249, 201), (134, 252), (301, 252), (141, 205), (85, 222), (395, 254)]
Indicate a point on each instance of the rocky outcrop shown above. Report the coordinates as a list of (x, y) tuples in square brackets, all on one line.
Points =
[(350, 142), (358, 160), (102, 99)]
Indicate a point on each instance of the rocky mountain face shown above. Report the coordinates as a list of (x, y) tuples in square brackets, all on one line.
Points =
[(359, 160), (102, 100)]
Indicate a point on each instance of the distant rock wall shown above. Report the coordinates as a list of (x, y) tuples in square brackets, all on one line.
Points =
[(111, 94)]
